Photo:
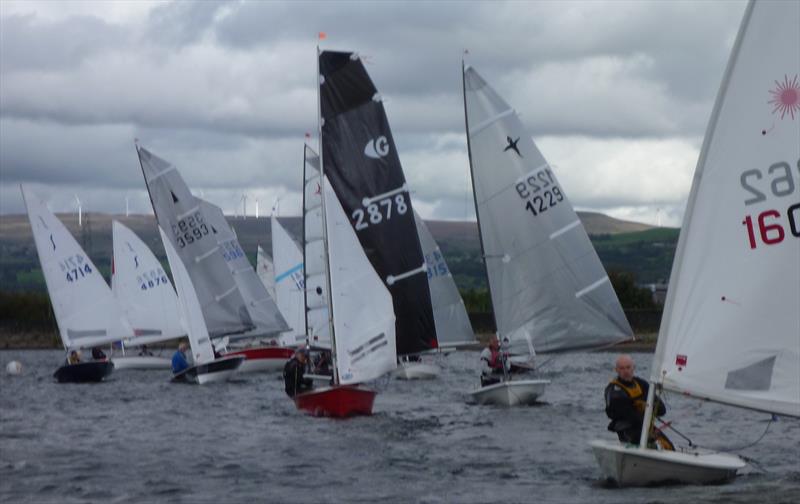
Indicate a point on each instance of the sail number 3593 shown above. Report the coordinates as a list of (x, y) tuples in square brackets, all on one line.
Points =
[(771, 226)]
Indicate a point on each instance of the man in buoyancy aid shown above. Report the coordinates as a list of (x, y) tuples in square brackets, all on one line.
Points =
[(626, 401), (492, 363)]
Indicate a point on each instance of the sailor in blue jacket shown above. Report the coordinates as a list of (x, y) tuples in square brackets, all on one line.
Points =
[(179, 359)]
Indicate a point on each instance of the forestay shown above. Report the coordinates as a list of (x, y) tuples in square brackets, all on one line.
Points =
[(363, 317), (261, 307), (452, 322), (86, 311), (548, 287), (178, 212), (361, 162), (289, 283), (265, 271), (191, 313), (731, 328), (317, 312)]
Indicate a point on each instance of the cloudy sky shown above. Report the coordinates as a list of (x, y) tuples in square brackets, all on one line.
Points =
[(616, 95)]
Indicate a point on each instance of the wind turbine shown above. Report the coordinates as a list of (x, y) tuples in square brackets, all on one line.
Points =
[(257, 201), (127, 205), (244, 205), (80, 210)]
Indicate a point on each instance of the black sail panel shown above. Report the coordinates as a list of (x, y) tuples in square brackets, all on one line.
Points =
[(361, 162)]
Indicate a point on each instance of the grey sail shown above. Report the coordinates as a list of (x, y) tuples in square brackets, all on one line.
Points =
[(184, 223), (261, 307), (449, 314), (549, 290)]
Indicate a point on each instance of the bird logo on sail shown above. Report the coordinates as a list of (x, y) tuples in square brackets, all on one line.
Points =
[(512, 144), (377, 148)]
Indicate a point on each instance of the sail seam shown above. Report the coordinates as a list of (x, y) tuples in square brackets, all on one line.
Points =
[(188, 213), (226, 293), (488, 122), (206, 255), (288, 272), (368, 201), (391, 279), (162, 173)]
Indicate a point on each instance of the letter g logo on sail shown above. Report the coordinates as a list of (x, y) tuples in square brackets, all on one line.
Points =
[(377, 148)]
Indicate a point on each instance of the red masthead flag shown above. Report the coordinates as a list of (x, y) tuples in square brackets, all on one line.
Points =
[(322, 35)]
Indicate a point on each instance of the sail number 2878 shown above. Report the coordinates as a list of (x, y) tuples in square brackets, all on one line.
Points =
[(772, 226)]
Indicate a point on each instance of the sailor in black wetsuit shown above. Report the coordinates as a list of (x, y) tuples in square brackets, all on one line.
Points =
[(626, 401), (293, 379)]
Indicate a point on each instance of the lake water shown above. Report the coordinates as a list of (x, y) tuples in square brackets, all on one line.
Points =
[(139, 438)]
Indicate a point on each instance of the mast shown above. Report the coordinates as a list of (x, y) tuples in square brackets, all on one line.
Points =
[(324, 226), (303, 234), (475, 197), (656, 377)]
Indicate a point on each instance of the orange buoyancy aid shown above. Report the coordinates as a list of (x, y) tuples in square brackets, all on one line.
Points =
[(635, 393)]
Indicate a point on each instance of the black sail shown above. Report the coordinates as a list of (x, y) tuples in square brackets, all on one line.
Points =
[(361, 162)]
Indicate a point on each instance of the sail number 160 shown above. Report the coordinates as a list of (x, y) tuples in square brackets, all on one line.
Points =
[(770, 228)]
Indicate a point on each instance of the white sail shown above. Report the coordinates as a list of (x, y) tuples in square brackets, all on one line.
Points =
[(363, 313), (265, 271), (548, 287), (143, 290), (86, 311), (289, 283), (315, 264), (452, 322), (731, 327), (191, 312), (261, 307)]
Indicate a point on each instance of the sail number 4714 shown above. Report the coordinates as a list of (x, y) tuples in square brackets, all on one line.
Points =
[(772, 226)]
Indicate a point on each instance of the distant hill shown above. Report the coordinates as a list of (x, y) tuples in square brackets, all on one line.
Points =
[(622, 245)]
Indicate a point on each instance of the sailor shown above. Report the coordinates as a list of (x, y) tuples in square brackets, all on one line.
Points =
[(179, 359), (145, 352), (492, 363), (626, 401), (98, 354), (294, 381), (74, 357)]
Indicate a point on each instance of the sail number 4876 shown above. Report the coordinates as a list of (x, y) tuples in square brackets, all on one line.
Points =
[(769, 226)]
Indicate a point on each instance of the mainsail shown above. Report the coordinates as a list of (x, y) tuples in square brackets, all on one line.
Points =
[(143, 290), (731, 326), (86, 311), (262, 309), (452, 322), (315, 270), (364, 170), (265, 271), (189, 305), (289, 283), (179, 214), (549, 290), (363, 320)]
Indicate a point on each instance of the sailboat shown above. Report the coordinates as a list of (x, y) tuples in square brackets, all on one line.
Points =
[(267, 319), (453, 327), (548, 288), (182, 220), (360, 160), (265, 271), (289, 284), (730, 332), (144, 292), (206, 366), (86, 312)]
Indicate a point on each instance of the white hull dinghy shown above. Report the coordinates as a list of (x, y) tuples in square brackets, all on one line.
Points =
[(729, 332), (510, 393), (627, 465), (140, 362), (416, 371)]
